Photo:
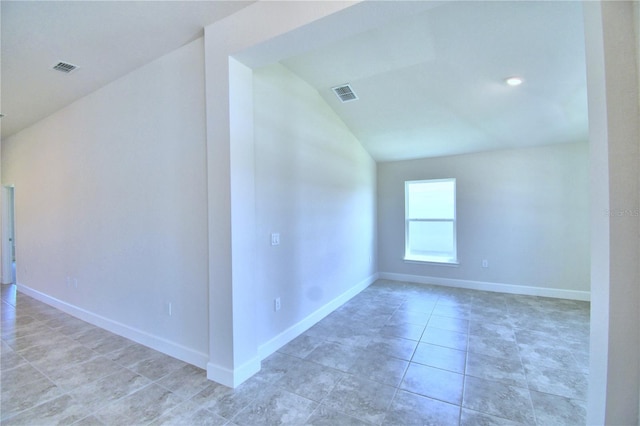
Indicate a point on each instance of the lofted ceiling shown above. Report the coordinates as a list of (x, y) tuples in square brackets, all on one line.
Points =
[(429, 84)]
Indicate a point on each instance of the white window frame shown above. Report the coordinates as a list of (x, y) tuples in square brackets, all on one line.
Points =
[(408, 257)]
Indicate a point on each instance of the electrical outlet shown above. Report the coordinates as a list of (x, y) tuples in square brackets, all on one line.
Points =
[(275, 239), (276, 304)]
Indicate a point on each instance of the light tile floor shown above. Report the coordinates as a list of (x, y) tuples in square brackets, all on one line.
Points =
[(396, 354)]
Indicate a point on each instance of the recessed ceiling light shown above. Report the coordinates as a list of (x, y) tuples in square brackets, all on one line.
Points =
[(514, 81)]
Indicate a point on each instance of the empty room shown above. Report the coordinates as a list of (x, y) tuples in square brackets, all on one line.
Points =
[(320, 212)]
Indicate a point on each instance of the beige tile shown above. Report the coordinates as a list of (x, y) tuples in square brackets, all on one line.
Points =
[(109, 388), (19, 397), (393, 346), (363, 399), (500, 400), (371, 339), (552, 410), (89, 421), (411, 409), (186, 381), (19, 376), (62, 410), (158, 366), (189, 414), (75, 375), (276, 407), (380, 368), (504, 370), (10, 359), (325, 416), (440, 357), (301, 346), (434, 383), (131, 355), (227, 402), (334, 355), (141, 407), (446, 338), (310, 380)]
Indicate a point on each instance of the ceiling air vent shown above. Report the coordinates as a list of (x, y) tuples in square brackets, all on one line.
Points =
[(65, 67), (345, 93)]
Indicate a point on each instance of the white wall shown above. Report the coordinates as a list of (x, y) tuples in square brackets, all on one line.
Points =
[(111, 192), (614, 142), (233, 349), (316, 186), (636, 9), (525, 211)]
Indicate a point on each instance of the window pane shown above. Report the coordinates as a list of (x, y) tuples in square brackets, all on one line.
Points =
[(431, 200), (431, 239)]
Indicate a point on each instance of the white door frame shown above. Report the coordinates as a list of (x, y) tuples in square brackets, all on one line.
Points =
[(8, 233)]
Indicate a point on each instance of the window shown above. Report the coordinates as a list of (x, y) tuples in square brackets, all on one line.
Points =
[(430, 221)]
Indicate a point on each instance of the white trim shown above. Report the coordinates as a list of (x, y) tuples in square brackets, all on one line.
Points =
[(5, 233), (300, 327), (408, 220), (233, 378), (452, 263), (158, 343), (489, 286)]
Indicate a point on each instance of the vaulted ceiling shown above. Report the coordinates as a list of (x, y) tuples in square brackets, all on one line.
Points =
[(434, 83), (429, 84), (106, 39)]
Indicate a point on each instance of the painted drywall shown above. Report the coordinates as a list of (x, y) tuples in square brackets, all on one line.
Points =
[(636, 28), (636, 23), (258, 35), (525, 211), (316, 187), (111, 203), (3, 227), (233, 349), (614, 139)]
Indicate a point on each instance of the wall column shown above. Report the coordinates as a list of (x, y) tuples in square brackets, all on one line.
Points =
[(233, 349), (614, 137)]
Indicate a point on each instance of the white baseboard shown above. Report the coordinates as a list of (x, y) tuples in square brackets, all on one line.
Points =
[(160, 344), (489, 286), (233, 378), (300, 327)]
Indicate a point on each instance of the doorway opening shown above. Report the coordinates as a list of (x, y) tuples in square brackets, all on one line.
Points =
[(8, 236)]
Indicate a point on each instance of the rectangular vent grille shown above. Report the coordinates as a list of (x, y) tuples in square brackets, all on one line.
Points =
[(65, 67), (345, 93)]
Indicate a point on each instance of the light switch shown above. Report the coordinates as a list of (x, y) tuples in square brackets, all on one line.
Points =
[(275, 239)]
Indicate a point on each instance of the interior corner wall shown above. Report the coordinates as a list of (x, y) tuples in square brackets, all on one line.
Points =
[(636, 9), (316, 187), (2, 221), (111, 206), (526, 211), (614, 139)]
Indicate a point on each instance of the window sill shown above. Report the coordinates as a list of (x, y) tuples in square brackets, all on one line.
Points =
[(432, 261)]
